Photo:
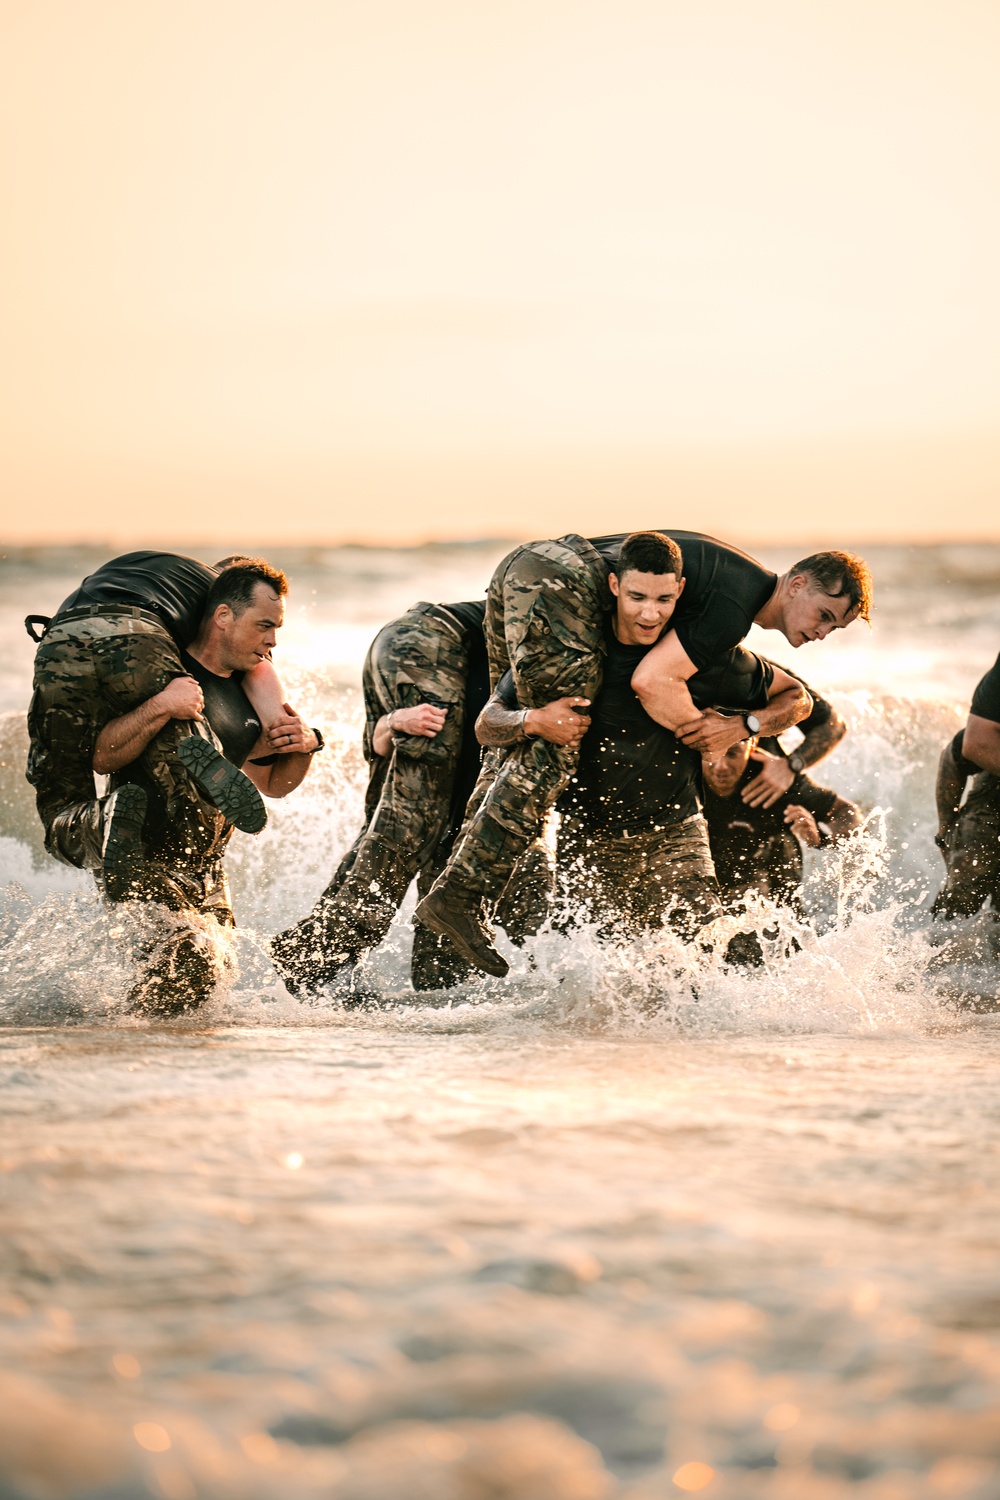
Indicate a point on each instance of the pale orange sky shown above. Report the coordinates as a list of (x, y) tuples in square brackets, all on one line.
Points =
[(383, 269)]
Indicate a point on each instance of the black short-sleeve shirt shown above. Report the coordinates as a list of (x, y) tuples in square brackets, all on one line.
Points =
[(736, 831), (986, 698), (470, 615), (170, 587), (633, 774), (724, 590), (227, 709)]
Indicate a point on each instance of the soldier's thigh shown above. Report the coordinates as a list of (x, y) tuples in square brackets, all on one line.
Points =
[(553, 626), (133, 668)]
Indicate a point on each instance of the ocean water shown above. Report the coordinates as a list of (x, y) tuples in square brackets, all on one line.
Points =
[(624, 1225)]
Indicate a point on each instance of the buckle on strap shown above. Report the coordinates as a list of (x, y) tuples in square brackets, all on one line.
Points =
[(30, 621)]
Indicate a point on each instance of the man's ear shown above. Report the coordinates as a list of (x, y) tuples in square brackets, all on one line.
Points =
[(222, 615), (613, 583), (797, 583), (680, 586)]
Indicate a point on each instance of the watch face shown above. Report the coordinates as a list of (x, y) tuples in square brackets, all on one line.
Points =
[(753, 723)]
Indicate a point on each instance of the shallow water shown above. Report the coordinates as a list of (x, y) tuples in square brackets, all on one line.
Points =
[(624, 1225)]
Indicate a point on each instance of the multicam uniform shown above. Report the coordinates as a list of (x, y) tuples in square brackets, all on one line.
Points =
[(414, 802), (111, 646), (102, 655), (973, 851), (545, 615)]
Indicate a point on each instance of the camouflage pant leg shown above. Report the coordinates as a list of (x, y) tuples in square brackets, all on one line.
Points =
[(974, 854), (420, 658), (634, 884), (89, 671), (545, 619), (526, 899), (184, 956)]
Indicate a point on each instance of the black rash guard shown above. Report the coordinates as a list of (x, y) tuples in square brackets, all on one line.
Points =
[(170, 587), (227, 709), (633, 774), (739, 833)]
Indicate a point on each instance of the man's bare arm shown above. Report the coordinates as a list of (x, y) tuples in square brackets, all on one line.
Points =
[(844, 818), (981, 744), (558, 722), (821, 741), (713, 733), (425, 720), (124, 739), (660, 682)]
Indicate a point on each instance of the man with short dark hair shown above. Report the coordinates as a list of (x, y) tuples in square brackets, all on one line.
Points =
[(969, 833), (113, 648), (545, 611), (756, 832)]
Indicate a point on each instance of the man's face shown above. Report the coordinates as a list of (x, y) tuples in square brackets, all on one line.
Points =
[(810, 614), (645, 602), (726, 769), (248, 637)]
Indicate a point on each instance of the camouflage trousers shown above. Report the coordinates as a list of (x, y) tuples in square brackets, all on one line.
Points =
[(973, 854), (182, 955), (91, 667), (544, 620), (423, 657), (633, 883)]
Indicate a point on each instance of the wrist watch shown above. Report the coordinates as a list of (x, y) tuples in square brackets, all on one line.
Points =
[(752, 723), (320, 741), (797, 764)]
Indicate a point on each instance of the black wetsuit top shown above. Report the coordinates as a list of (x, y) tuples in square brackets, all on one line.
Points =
[(170, 587), (633, 774), (985, 705), (738, 833), (227, 709), (724, 590)]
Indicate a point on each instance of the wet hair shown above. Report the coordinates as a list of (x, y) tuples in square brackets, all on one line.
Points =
[(840, 573), (236, 583), (649, 552)]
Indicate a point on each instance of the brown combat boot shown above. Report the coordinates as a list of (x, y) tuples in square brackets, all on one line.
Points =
[(457, 913)]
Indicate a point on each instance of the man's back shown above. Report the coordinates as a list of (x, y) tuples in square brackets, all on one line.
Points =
[(171, 587)]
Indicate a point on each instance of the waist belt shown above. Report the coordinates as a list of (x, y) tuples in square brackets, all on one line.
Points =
[(83, 611), (438, 611)]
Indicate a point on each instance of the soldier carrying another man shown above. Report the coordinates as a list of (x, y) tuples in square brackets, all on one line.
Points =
[(633, 843), (425, 680), (545, 615), (116, 692)]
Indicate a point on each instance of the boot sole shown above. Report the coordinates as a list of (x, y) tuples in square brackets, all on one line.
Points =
[(124, 860), (498, 967), (224, 784)]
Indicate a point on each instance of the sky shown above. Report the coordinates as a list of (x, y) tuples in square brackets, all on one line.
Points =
[(386, 270)]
